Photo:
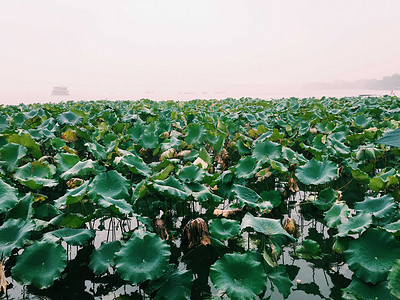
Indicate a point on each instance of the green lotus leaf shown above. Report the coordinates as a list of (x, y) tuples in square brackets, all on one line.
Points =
[(360, 175), (22, 210), (110, 184), (367, 153), (80, 169), (359, 290), (136, 165), (383, 180), (269, 227), (174, 284), (14, 233), (239, 275), (103, 257), (118, 206), (66, 161), (73, 195), (393, 228), (191, 173), (325, 199), (243, 148), (266, 149), (144, 256), (334, 216), (224, 229), (372, 255), (246, 196), (315, 172), (8, 196), (69, 118), (383, 208), (355, 224), (202, 194), (309, 249), (35, 175), (73, 220), (98, 151), (276, 165), (247, 167), (10, 154), (280, 278), (195, 134), (272, 196), (149, 140), (27, 141), (40, 264), (391, 138), (394, 279), (171, 187), (4, 123), (72, 236)]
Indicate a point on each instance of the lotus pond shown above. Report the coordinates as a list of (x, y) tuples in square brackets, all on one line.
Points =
[(231, 199)]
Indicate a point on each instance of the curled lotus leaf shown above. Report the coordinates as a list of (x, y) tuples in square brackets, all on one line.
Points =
[(224, 229), (69, 118), (266, 149), (40, 264), (136, 165), (191, 173), (355, 224), (14, 233), (372, 255), (103, 257), (246, 196), (144, 256), (247, 167), (118, 206), (171, 187), (394, 279), (239, 275), (325, 199), (195, 134), (383, 208), (316, 172), (66, 161), (10, 154), (8, 196), (80, 169), (309, 249), (72, 236), (338, 212), (35, 175)]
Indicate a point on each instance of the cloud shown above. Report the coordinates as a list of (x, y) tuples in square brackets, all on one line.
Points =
[(386, 83)]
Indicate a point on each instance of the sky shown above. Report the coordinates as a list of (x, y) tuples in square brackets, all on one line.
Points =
[(131, 49)]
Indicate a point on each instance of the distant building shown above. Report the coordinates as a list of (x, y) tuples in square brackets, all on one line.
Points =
[(60, 91)]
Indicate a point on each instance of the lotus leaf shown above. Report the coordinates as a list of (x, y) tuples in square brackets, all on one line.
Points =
[(110, 184), (98, 151), (355, 224), (271, 196), (72, 196), (80, 169), (191, 173), (239, 275), (10, 154), (27, 141), (144, 256), (35, 175), (14, 233), (372, 255), (325, 199), (309, 249), (22, 210), (338, 212), (66, 161), (269, 227), (393, 228), (247, 167), (174, 284), (224, 229), (40, 264), (69, 118), (279, 277), (195, 134), (266, 149), (246, 196), (149, 140), (136, 165), (315, 172), (118, 206), (383, 208), (359, 290), (391, 138), (394, 279), (8, 196), (171, 187), (103, 257), (74, 237)]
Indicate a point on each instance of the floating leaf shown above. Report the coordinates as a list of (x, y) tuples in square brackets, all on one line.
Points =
[(372, 255), (14, 233), (239, 275), (103, 257), (144, 256), (40, 264), (315, 172)]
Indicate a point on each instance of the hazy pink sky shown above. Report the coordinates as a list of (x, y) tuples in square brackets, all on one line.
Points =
[(124, 49)]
